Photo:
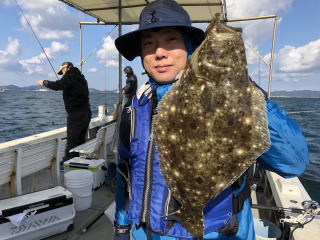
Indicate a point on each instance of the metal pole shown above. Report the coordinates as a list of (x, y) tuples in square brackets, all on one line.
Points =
[(272, 56), (259, 68), (120, 58), (224, 9), (93, 23), (273, 42), (80, 47), (252, 18)]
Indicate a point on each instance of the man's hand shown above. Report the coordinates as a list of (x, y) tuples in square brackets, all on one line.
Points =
[(40, 83)]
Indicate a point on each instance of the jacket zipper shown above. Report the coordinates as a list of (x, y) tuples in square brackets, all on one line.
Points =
[(133, 122), (148, 177), (148, 180), (128, 179), (167, 202)]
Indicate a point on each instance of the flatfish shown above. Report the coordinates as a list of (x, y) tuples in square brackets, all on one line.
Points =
[(211, 125)]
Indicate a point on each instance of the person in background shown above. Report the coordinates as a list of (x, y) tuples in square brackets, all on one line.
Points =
[(165, 41), (130, 88), (76, 101)]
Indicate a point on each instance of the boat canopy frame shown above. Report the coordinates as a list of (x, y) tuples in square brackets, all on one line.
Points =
[(127, 12)]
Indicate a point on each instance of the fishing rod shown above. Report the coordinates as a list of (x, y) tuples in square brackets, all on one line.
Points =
[(310, 210), (307, 111), (278, 209), (309, 206), (36, 37)]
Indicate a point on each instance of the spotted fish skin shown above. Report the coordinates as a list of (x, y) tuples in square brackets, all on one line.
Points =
[(211, 125)]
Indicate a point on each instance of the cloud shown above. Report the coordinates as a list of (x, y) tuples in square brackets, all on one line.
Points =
[(108, 54), (32, 5), (10, 54), (304, 59), (58, 47), (258, 31), (7, 2), (92, 70), (49, 19), (38, 64), (250, 8), (293, 64)]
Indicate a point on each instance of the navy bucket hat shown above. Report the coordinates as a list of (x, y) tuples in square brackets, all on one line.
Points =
[(160, 13)]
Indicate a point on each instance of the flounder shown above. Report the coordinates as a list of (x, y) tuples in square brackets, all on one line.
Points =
[(211, 125)]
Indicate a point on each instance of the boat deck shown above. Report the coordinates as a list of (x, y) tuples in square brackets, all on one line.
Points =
[(271, 189), (101, 229)]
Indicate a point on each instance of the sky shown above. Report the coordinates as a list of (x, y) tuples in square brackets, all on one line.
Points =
[(296, 63)]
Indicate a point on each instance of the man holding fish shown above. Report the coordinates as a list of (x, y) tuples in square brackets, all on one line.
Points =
[(196, 127)]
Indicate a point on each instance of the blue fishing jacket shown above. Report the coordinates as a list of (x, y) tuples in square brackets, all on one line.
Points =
[(150, 198)]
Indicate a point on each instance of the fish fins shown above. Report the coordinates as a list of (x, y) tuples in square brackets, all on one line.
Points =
[(192, 220), (261, 137)]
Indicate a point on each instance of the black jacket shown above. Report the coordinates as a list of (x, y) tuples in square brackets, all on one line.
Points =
[(131, 85), (75, 90)]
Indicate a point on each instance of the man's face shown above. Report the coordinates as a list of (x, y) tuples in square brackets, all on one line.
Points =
[(64, 70), (163, 53)]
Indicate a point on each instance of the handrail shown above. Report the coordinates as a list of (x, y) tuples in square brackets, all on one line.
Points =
[(25, 156)]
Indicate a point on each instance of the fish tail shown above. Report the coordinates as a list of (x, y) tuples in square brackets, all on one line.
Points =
[(191, 219)]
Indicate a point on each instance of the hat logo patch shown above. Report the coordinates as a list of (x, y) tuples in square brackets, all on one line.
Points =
[(153, 18)]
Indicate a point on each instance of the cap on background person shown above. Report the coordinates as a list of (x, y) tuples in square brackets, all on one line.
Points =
[(63, 65), (160, 13), (128, 70)]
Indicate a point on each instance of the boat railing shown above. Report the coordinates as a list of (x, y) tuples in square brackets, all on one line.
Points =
[(284, 201), (97, 147), (290, 194), (27, 156)]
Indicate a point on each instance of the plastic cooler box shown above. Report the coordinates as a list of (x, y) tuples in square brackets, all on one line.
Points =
[(94, 165), (53, 212)]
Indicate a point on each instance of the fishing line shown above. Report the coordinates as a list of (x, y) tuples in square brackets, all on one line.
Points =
[(255, 52), (36, 38), (105, 69), (94, 50), (105, 84)]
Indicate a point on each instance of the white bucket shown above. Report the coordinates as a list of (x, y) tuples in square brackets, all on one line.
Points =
[(80, 182), (82, 202), (266, 230), (78, 176), (81, 190)]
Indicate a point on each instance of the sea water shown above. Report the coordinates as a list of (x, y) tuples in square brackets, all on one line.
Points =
[(25, 113), (306, 113)]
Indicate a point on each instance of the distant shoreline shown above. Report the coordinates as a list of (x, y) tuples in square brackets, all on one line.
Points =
[(296, 94), (274, 94), (36, 88)]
